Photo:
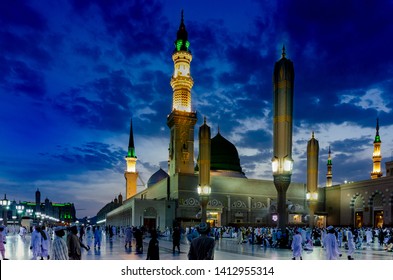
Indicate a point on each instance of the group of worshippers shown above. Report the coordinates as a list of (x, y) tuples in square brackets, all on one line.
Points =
[(62, 249), (330, 244)]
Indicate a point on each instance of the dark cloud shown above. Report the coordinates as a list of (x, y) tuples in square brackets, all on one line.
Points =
[(21, 78), (20, 13), (93, 156), (139, 25)]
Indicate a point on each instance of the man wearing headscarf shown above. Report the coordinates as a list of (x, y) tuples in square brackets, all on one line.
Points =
[(59, 246)]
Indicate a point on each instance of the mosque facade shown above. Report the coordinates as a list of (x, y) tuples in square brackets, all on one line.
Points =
[(171, 197)]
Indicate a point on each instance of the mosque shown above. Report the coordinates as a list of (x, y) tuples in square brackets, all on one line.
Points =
[(217, 181)]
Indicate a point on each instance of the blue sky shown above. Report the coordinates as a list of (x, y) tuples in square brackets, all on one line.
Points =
[(73, 73)]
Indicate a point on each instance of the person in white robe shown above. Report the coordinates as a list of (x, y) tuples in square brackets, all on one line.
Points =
[(297, 245), (331, 246), (89, 236), (351, 244), (369, 237), (35, 245), (45, 243)]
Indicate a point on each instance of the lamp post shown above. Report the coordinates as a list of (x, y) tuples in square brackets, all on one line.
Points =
[(204, 193), (282, 162), (5, 205), (19, 211), (204, 188), (312, 199), (312, 176)]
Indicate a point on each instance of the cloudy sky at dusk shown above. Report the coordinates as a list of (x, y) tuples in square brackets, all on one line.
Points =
[(74, 72)]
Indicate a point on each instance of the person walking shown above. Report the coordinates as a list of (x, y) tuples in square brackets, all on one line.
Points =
[(89, 236), (351, 244), (2, 242), (331, 246), (128, 237), (59, 246), (202, 247), (73, 244), (297, 245), (81, 233), (153, 251), (45, 240), (138, 240), (176, 239), (97, 237), (36, 243)]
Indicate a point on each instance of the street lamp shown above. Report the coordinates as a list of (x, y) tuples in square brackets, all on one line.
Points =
[(19, 210), (312, 199), (5, 205)]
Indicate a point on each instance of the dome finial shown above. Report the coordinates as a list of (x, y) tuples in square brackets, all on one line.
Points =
[(283, 54), (204, 120)]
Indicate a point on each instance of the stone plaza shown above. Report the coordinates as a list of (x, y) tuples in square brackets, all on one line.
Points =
[(226, 249)]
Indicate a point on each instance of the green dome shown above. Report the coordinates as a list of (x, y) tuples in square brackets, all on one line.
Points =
[(224, 155)]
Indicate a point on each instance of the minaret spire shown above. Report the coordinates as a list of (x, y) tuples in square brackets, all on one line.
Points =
[(377, 137), (283, 54), (131, 174), (377, 172), (131, 146)]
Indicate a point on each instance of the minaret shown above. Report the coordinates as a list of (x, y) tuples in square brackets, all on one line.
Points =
[(181, 120), (329, 174), (204, 189), (377, 172), (312, 176), (282, 162), (130, 174), (38, 201), (120, 199)]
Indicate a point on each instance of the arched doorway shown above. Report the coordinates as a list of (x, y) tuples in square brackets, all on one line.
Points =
[(150, 218), (377, 201), (358, 210)]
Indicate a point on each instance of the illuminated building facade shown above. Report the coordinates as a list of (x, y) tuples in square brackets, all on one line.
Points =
[(46, 212), (233, 199)]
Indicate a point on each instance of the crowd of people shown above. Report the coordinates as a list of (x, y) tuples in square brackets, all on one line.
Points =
[(61, 243)]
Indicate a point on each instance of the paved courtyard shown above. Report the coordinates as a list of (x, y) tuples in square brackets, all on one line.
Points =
[(226, 249)]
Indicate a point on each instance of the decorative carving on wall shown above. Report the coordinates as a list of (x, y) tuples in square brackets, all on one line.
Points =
[(191, 202), (259, 205), (215, 203), (239, 204)]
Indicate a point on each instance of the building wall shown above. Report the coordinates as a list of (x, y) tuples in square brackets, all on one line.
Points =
[(343, 201)]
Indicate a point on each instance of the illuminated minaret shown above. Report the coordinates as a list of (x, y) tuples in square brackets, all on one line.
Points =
[(282, 163), (204, 189), (377, 172), (329, 174), (181, 120), (312, 176), (130, 174)]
